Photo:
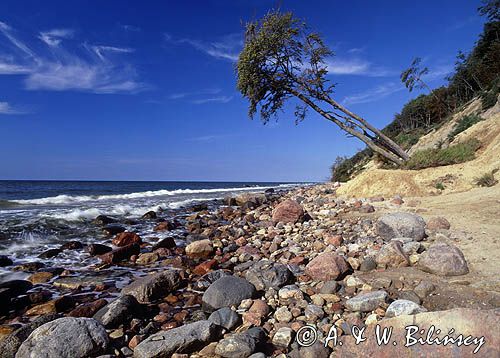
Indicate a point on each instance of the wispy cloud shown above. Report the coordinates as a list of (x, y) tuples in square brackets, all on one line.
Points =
[(226, 47), (90, 68), (356, 66), (373, 94), (211, 137), (6, 108), (206, 91), (200, 97), (54, 37), (219, 99), (356, 50)]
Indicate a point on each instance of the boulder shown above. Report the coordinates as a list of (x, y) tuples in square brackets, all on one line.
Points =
[(479, 328), (120, 254), (49, 253), (103, 220), (66, 337), (113, 229), (443, 259), (167, 243), (225, 317), (438, 223), (126, 238), (240, 345), (98, 249), (149, 215), (366, 302), (392, 255), (401, 224), (327, 266), (266, 274), (200, 249), (88, 309), (119, 311), (154, 286), (184, 339), (164, 226), (288, 211), (5, 261), (227, 291), (400, 307)]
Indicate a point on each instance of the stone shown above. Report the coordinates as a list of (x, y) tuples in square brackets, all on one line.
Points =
[(283, 337), (147, 258), (154, 286), (126, 238), (72, 245), (424, 288), (200, 249), (313, 313), (366, 302), (49, 253), (266, 274), (400, 307), (283, 315), (66, 337), (119, 311), (207, 279), (236, 346), (288, 211), (164, 226), (88, 309), (225, 317), (438, 223), (401, 224), (98, 249), (60, 304), (40, 277), (184, 339), (5, 261), (167, 243), (103, 220), (367, 208), (316, 350), (290, 292), (329, 287), (392, 255), (465, 322), (120, 254), (327, 266), (150, 215), (368, 264), (10, 344), (227, 291), (113, 229), (444, 260)]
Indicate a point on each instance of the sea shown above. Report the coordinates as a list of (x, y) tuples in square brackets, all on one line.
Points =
[(39, 215)]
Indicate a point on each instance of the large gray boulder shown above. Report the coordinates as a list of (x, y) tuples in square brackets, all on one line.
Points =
[(401, 307), (118, 311), (366, 302), (443, 259), (226, 292), (184, 339), (390, 226), (241, 345), (152, 287), (66, 337), (267, 274)]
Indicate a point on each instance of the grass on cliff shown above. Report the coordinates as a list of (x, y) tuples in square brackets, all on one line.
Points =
[(487, 179), (465, 123), (435, 157)]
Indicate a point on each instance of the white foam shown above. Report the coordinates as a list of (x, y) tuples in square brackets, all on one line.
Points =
[(68, 199)]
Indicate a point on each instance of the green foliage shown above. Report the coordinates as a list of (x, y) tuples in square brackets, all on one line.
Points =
[(345, 168), (489, 98), (439, 186), (486, 180), (465, 123), (412, 76), (458, 153)]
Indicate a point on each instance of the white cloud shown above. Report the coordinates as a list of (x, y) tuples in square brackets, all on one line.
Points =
[(220, 99), (373, 94), (54, 37), (61, 70), (6, 108), (355, 66), (181, 95), (227, 47)]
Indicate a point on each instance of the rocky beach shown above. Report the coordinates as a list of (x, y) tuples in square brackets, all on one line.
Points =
[(248, 276)]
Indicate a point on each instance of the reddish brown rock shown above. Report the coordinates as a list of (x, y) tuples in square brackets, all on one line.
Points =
[(204, 267), (327, 266), (437, 223), (40, 277), (126, 238), (392, 255), (288, 211), (120, 254), (88, 309), (164, 226), (335, 240)]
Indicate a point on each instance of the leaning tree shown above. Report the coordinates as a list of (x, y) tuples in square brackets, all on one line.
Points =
[(282, 60)]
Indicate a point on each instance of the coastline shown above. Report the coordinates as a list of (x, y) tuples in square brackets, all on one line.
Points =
[(283, 260)]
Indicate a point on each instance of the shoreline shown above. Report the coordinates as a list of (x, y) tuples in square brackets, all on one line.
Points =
[(282, 260)]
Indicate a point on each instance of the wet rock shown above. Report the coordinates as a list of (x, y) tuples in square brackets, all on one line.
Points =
[(366, 302), (61, 304), (113, 229), (444, 260), (40, 277), (49, 253), (266, 274), (401, 224), (120, 254), (392, 255), (126, 238), (10, 344), (400, 307), (327, 266), (88, 309), (98, 249), (147, 258), (66, 337), (119, 311), (206, 280), (72, 245), (5, 261), (438, 223), (225, 317), (149, 215), (164, 226), (184, 339), (199, 249), (288, 211), (226, 292), (29, 266), (103, 220), (77, 282), (154, 286), (283, 337), (167, 243), (10, 290)]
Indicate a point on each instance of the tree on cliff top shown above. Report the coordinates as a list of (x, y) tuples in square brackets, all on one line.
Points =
[(282, 60)]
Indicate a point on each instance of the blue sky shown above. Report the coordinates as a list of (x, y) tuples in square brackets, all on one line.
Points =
[(113, 90)]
